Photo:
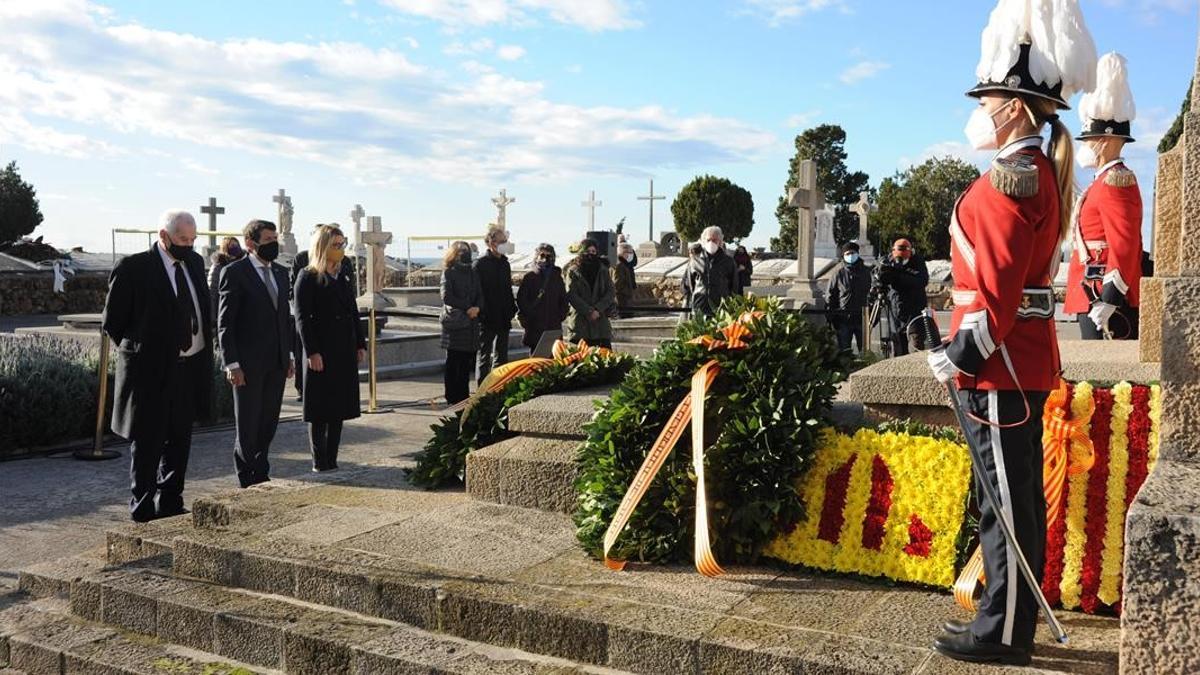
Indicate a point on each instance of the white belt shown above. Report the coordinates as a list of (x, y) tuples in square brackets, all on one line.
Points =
[(1096, 245)]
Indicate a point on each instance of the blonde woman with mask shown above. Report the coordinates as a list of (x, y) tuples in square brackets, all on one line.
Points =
[(334, 344)]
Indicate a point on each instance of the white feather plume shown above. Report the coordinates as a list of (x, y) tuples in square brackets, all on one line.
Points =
[(1042, 65), (1112, 99), (1074, 49), (1002, 39)]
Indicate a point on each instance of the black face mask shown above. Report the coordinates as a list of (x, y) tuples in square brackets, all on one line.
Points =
[(545, 263), (234, 253), (178, 251), (464, 258), (268, 252)]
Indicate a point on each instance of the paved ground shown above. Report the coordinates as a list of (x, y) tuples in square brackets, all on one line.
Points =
[(56, 506)]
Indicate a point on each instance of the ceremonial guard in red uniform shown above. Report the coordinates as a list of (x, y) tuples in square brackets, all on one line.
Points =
[(1006, 234), (1106, 236)]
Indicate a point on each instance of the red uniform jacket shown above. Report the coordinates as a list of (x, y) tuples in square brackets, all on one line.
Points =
[(1111, 212), (1015, 242)]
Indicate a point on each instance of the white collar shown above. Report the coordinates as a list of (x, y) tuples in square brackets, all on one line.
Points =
[(1020, 144), (1106, 167), (166, 257), (258, 262)]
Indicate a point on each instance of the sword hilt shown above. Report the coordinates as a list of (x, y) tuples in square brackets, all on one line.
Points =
[(933, 337)]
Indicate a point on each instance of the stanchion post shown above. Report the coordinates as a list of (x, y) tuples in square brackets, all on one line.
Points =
[(866, 328), (98, 452), (372, 367)]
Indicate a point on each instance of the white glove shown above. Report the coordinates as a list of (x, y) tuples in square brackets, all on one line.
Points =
[(941, 366), (1101, 313)]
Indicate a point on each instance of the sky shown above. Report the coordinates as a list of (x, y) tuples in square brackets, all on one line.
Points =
[(422, 110)]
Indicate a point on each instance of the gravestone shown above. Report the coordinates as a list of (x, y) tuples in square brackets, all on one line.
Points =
[(772, 269), (825, 246), (591, 205), (1159, 631), (863, 209), (670, 244), (807, 199), (287, 240), (377, 240), (651, 198), (502, 202), (356, 217), (660, 267), (212, 211), (648, 250)]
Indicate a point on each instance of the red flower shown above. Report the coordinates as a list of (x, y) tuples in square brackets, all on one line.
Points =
[(1056, 536), (878, 506), (832, 518), (920, 538), (1097, 502)]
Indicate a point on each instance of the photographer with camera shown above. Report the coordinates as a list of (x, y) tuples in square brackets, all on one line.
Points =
[(900, 282)]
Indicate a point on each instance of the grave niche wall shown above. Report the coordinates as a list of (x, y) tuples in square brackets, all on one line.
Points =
[(33, 293)]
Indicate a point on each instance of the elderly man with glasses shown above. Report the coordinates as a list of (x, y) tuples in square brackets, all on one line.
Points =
[(902, 278)]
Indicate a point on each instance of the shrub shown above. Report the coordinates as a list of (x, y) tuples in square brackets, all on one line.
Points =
[(766, 410)]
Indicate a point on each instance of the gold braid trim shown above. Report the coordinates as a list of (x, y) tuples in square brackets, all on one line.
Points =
[(1120, 177), (1015, 176)]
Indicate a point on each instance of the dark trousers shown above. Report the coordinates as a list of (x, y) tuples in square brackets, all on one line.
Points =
[(256, 407), (457, 375), (493, 349), (911, 338), (1012, 463), (846, 331), (324, 439), (1123, 325), (299, 360), (159, 451)]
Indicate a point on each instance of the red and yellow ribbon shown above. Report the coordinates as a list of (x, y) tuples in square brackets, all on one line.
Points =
[(1066, 450), (564, 353), (690, 409)]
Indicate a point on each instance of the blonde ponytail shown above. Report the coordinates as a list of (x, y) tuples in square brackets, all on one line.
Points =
[(1062, 156)]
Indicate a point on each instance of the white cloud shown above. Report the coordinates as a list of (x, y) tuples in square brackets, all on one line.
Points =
[(511, 52), (477, 46), (802, 120), (778, 12), (863, 70), (594, 15), (412, 42), (370, 113)]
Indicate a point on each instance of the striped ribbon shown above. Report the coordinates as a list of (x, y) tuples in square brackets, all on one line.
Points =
[(690, 409), (564, 353)]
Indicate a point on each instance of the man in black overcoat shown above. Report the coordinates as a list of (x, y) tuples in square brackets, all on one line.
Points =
[(254, 326), (158, 314)]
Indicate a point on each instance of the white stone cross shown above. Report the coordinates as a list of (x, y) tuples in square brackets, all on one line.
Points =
[(863, 209), (808, 199), (378, 240), (356, 216), (591, 205), (213, 211), (651, 198), (502, 203), (285, 205)]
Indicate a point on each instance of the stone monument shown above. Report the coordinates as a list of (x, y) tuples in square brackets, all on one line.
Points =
[(651, 198), (212, 211), (1159, 630), (356, 217), (826, 246), (807, 198), (287, 240), (377, 240), (502, 203), (863, 209), (591, 205)]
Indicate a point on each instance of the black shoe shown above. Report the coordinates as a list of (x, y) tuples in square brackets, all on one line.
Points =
[(964, 647), (956, 627), (141, 517)]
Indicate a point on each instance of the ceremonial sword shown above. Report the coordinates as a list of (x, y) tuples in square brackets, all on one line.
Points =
[(934, 337)]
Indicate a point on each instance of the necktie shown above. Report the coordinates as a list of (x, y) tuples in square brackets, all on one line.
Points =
[(189, 323), (274, 292)]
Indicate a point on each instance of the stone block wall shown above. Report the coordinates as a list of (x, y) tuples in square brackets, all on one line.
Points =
[(33, 293)]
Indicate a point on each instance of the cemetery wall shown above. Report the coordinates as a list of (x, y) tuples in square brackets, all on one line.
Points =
[(33, 293)]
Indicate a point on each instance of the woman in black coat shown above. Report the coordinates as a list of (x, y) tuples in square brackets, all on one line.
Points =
[(334, 344), (541, 298), (462, 298)]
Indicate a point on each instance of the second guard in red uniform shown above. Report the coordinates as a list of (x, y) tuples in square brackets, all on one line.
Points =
[(1006, 234), (1106, 235)]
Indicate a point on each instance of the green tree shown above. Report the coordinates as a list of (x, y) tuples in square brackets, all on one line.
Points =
[(709, 200), (918, 203), (1176, 131), (19, 213), (825, 145)]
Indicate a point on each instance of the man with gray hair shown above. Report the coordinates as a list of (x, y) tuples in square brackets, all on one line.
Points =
[(711, 276), (159, 315)]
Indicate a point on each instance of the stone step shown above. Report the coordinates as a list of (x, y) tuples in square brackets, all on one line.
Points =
[(515, 578), (135, 619), (528, 471), (561, 415)]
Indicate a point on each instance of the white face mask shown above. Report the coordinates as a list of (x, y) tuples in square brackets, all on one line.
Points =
[(628, 258), (981, 129), (506, 248), (711, 247), (1086, 156), (850, 258)]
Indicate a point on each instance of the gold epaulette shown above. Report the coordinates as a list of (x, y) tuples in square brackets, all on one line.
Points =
[(1119, 176), (1015, 176)]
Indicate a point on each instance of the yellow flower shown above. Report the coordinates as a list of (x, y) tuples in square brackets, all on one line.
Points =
[(1114, 524), (1071, 585)]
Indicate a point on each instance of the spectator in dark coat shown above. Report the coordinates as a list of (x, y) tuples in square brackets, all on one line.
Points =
[(229, 251), (848, 294), (299, 264), (904, 277), (542, 298), (745, 268), (334, 344), (710, 276), (590, 294), (624, 281), (462, 301), (499, 308)]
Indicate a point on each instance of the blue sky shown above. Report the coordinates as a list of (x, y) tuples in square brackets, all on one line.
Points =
[(420, 110)]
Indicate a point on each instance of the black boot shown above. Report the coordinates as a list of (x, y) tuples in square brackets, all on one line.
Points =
[(964, 647), (956, 627)]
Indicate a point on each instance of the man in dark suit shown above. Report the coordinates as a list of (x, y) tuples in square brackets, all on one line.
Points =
[(254, 326), (158, 314)]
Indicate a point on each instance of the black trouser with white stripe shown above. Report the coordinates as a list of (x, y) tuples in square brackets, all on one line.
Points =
[(1012, 462)]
